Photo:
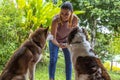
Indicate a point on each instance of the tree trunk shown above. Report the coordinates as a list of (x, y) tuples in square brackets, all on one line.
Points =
[(111, 65), (93, 34)]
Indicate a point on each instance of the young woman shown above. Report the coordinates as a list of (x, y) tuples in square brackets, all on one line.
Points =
[(62, 24)]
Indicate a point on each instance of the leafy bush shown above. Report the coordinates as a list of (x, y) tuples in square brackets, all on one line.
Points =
[(114, 68), (9, 28), (107, 65), (38, 12), (16, 21)]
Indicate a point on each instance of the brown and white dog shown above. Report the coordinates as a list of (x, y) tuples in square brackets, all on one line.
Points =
[(87, 65), (26, 57)]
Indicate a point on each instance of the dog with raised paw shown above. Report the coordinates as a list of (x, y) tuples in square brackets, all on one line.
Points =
[(87, 65)]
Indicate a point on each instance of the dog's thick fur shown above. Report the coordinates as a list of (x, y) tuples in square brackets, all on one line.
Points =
[(86, 64), (25, 58)]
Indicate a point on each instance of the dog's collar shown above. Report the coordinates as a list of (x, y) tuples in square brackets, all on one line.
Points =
[(78, 42), (35, 42)]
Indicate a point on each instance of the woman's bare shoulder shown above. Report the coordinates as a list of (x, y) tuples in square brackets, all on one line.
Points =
[(56, 18), (75, 20), (55, 21), (75, 17)]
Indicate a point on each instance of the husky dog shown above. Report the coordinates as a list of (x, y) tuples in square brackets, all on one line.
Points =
[(87, 65), (26, 57)]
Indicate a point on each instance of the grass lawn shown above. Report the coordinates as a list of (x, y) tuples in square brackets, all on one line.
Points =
[(114, 76), (42, 70)]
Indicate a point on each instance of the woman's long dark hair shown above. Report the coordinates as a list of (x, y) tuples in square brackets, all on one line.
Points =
[(67, 5)]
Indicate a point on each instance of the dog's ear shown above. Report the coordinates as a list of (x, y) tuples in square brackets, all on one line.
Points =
[(71, 35), (86, 33), (46, 30), (41, 26)]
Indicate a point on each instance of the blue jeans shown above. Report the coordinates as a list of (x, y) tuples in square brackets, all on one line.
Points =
[(53, 60)]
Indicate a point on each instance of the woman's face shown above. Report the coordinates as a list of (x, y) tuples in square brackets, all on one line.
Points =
[(65, 14)]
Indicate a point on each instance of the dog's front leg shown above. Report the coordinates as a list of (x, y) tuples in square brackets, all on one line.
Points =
[(32, 71), (76, 75), (19, 77), (74, 65)]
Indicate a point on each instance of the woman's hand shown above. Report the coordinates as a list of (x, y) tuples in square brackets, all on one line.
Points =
[(62, 45)]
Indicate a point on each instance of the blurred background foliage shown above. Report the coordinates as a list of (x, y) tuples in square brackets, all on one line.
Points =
[(101, 18), (18, 18), (102, 21)]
